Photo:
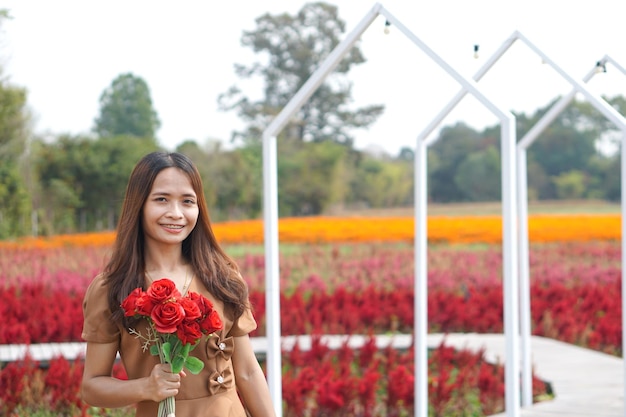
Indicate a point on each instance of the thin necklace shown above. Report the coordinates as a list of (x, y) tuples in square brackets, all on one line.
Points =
[(185, 284)]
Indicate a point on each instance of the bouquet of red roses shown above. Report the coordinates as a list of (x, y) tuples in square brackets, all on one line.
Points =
[(175, 325)]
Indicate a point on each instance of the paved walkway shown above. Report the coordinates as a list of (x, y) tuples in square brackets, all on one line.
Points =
[(586, 383)]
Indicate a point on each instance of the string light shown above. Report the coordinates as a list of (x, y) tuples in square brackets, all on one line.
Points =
[(475, 51), (387, 24)]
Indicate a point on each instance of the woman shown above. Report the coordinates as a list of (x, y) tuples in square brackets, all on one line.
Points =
[(164, 231)]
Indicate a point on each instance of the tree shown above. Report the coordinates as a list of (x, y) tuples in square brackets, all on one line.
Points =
[(294, 47), (14, 133), (446, 155), (311, 177), (478, 176), (126, 109), (90, 175), (231, 178), (380, 183)]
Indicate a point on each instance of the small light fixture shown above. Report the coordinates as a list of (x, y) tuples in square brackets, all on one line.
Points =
[(387, 24), (475, 51), (600, 67)]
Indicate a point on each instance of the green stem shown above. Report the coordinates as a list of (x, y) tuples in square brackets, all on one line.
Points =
[(167, 407)]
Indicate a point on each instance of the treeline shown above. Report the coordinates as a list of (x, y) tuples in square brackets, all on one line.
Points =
[(75, 183)]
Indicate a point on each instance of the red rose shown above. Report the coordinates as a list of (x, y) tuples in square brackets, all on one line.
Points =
[(144, 305), (192, 311), (189, 332), (212, 322), (166, 316), (162, 290), (129, 305), (204, 304)]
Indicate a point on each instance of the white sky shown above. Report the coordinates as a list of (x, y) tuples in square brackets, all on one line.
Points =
[(67, 52)]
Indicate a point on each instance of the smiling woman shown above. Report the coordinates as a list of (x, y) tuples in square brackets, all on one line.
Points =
[(164, 232)]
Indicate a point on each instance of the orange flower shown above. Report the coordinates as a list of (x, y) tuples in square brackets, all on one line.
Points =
[(441, 229)]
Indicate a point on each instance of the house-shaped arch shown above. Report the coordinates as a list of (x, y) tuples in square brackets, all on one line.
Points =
[(270, 214), (602, 106), (522, 188)]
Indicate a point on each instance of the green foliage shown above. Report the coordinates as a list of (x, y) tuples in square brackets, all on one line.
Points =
[(478, 176), (452, 147), (293, 47), (126, 109), (232, 178), (84, 180), (309, 177), (14, 202), (14, 122), (570, 185), (194, 365), (381, 183), (462, 168)]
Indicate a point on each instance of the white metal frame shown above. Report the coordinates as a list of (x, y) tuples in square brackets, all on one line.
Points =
[(521, 187), (610, 113), (270, 203)]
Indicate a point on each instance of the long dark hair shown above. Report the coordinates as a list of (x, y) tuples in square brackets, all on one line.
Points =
[(125, 269)]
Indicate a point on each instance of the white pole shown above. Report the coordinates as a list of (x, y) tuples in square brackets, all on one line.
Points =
[(272, 281), (510, 269), (623, 201), (616, 64), (524, 278), (420, 289), (270, 205), (623, 198)]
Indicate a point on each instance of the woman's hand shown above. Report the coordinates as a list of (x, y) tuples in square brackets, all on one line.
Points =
[(162, 383)]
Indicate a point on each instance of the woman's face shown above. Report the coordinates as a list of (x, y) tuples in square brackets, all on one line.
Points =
[(171, 210)]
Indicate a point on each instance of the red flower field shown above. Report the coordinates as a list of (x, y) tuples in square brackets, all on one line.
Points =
[(359, 288)]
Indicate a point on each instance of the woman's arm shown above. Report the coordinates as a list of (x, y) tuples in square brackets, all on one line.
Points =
[(250, 379), (100, 389)]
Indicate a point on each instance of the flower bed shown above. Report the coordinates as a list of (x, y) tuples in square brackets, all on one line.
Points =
[(441, 229), (366, 288), (361, 288), (318, 382)]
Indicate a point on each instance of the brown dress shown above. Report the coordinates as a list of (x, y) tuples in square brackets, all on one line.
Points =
[(211, 393)]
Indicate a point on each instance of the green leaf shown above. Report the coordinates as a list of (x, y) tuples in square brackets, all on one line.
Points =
[(154, 350), (167, 352), (177, 364), (194, 365)]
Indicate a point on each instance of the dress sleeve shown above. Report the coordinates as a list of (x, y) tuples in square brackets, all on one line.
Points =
[(244, 324), (97, 325)]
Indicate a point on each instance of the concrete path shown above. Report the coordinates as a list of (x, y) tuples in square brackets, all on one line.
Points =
[(586, 383)]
